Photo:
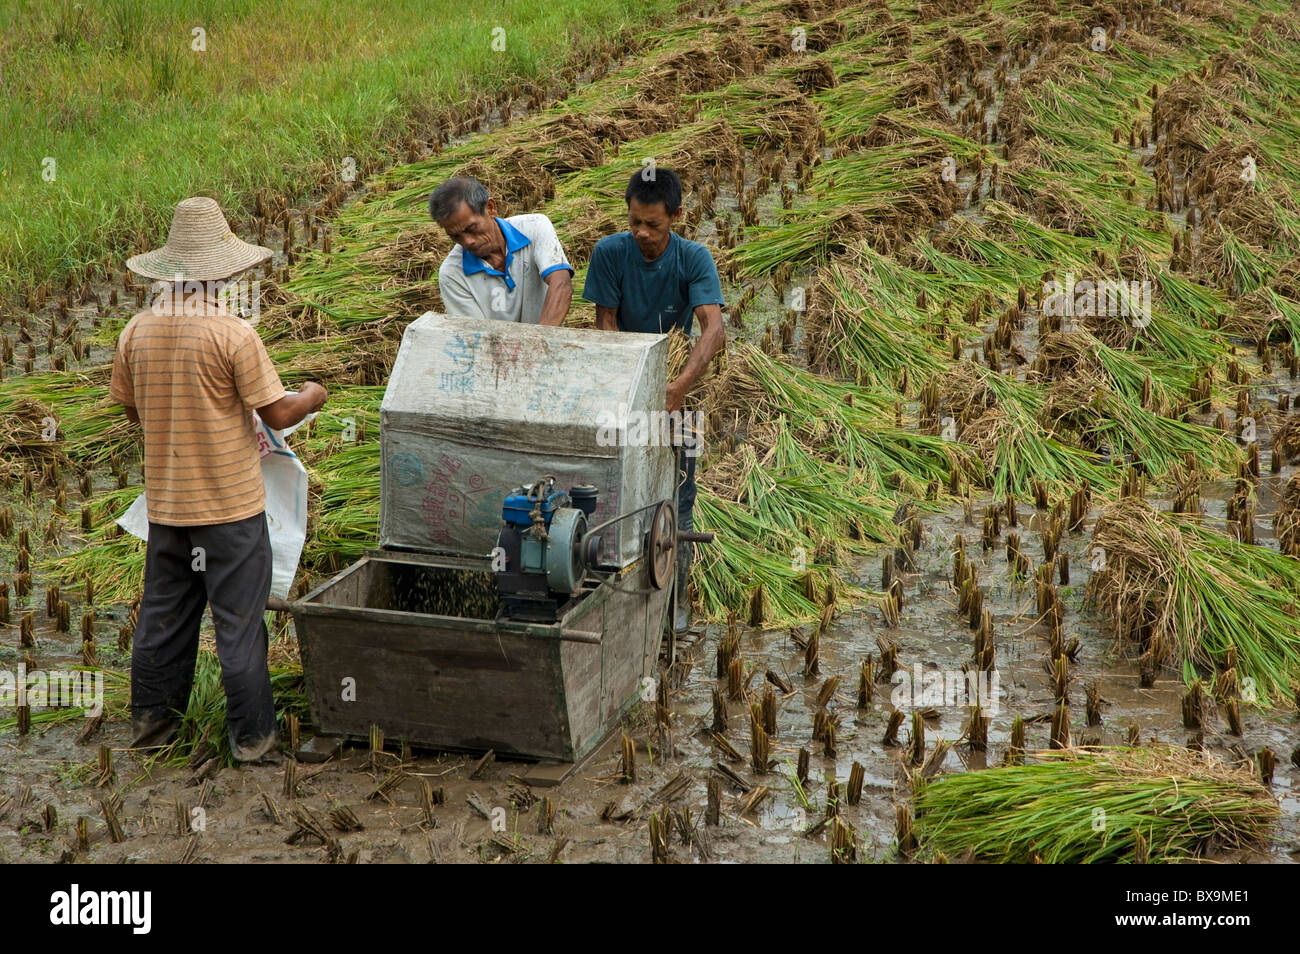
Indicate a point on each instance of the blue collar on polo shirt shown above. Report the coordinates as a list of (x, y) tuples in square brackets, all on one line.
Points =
[(515, 240)]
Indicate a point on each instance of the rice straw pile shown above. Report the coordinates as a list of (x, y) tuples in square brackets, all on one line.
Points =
[(1085, 807), (1195, 598)]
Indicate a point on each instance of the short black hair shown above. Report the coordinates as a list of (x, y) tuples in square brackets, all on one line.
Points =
[(446, 199), (650, 185)]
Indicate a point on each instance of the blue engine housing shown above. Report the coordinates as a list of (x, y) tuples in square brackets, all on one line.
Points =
[(517, 508)]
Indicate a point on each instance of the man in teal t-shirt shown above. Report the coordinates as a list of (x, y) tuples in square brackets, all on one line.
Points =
[(649, 279)]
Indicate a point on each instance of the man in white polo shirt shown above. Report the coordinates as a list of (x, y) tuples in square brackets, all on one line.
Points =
[(512, 269)]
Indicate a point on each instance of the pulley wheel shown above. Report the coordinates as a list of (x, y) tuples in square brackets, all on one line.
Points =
[(661, 547), (564, 566)]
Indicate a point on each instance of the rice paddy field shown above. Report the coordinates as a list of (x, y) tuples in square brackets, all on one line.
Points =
[(1001, 456)]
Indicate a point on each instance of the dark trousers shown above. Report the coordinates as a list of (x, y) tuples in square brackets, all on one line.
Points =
[(686, 505), (685, 489), (226, 565)]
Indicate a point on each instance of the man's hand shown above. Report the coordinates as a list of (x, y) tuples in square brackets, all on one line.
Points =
[(316, 394), (132, 414), (676, 393), (292, 408), (713, 337), (606, 318)]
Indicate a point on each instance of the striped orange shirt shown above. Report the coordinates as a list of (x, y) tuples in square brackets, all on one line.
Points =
[(195, 379)]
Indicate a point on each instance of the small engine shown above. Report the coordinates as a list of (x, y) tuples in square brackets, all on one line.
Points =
[(540, 561)]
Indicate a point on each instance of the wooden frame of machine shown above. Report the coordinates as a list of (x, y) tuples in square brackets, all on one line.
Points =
[(441, 637)]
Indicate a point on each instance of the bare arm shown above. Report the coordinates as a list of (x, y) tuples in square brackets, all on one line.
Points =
[(132, 414), (713, 337), (606, 318), (292, 408), (559, 295)]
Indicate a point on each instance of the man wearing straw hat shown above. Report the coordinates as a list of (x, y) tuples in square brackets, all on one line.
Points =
[(190, 373)]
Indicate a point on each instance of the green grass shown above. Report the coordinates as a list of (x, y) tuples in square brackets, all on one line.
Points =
[(205, 716), (116, 702), (136, 119)]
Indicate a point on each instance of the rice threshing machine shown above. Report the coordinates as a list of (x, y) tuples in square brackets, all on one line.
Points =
[(524, 578)]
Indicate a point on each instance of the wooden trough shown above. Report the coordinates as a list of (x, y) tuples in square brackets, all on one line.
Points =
[(544, 691)]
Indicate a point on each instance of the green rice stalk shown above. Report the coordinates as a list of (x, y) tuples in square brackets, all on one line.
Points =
[(1203, 594), (1089, 807)]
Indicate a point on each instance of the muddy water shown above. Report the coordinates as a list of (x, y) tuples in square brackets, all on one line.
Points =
[(931, 634), (239, 825)]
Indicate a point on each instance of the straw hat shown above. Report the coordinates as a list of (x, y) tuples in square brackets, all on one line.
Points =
[(200, 247)]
